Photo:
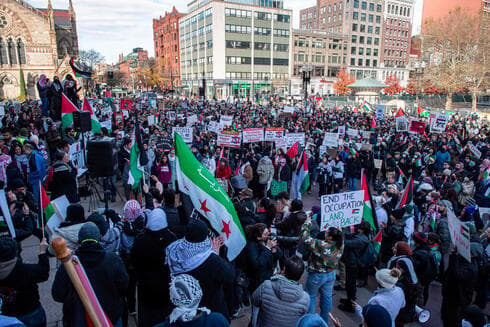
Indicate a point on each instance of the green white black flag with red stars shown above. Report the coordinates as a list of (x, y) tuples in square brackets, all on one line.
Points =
[(208, 197)]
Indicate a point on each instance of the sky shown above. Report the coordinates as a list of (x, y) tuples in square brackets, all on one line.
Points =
[(112, 27)]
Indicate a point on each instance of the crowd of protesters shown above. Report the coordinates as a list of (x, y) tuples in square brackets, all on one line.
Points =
[(162, 263)]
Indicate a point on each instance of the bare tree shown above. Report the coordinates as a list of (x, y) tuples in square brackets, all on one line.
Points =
[(91, 57)]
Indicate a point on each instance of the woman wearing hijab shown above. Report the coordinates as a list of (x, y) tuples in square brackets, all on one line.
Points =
[(70, 89), (43, 90)]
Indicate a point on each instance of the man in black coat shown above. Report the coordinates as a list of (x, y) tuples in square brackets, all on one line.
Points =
[(152, 275), (64, 178), (106, 273)]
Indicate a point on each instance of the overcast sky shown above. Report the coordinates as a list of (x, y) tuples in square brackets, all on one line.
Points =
[(117, 26)]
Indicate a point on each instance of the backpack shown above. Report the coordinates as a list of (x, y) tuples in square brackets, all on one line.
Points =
[(431, 270), (369, 255)]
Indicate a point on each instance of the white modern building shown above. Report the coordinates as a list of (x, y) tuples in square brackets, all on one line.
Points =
[(235, 47)]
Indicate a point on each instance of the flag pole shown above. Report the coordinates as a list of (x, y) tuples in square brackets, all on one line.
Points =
[(41, 209)]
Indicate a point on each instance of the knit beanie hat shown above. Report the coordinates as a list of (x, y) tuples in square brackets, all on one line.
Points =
[(75, 213), (131, 211), (387, 278), (8, 249), (402, 248), (197, 231), (100, 221), (157, 220), (89, 232), (376, 316)]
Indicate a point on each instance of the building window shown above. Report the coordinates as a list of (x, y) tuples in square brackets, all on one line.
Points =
[(354, 38), (375, 63), (353, 50), (356, 3), (282, 18), (359, 62), (370, 29), (376, 30), (280, 62), (361, 39), (262, 61), (368, 62), (378, 8), (238, 44), (363, 28), (364, 5), (368, 51), (355, 15), (340, 18), (376, 41), (281, 47), (262, 31), (361, 51), (262, 46), (263, 15), (3, 53), (354, 27), (280, 32), (378, 19), (363, 17), (369, 40), (370, 18), (11, 51), (238, 60)]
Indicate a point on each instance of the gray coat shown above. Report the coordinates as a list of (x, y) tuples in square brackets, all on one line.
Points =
[(281, 302), (265, 170)]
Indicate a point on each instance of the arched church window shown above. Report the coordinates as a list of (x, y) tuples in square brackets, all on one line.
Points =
[(11, 50), (3, 53), (21, 52)]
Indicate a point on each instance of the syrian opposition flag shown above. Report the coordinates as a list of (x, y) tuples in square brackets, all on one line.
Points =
[(368, 214), (67, 109), (366, 106), (208, 198), (399, 113), (301, 178), (95, 122), (137, 158), (407, 195), (293, 151)]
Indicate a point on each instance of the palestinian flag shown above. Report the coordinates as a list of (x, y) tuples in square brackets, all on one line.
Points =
[(67, 109), (432, 221), (137, 158), (293, 151), (422, 112), (407, 195), (301, 178), (377, 240), (95, 122), (367, 107), (208, 198), (356, 110), (78, 71), (373, 124), (399, 113), (126, 104), (48, 210), (368, 214), (401, 177)]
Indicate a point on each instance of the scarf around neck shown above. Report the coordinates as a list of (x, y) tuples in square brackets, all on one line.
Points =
[(184, 256)]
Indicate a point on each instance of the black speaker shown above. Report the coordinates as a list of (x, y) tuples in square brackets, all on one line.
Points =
[(82, 121), (100, 158)]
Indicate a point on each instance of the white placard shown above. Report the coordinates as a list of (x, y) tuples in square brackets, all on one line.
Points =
[(474, 150), (77, 158), (273, 134), (438, 122), (184, 132), (352, 132), (342, 209), (171, 115), (107, 124), (229, 140), (191, 120), (251, 135), (401, 124), (6, 214), (60, 205), (226, 120), (365, 135), (292, 138), (289, 109), (2, 110), (341, 130), (281, 144), (484, 214), (380, 112), (151, 120), (460, 235), (214, 127), (331, 140)]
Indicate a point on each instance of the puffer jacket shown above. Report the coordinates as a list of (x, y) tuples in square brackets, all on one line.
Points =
[(69, 233), (265, 170), (281, 302), (354, 244)]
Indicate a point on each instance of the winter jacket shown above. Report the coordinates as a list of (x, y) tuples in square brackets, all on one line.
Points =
[(283, 173), (442, 229), (108, 278), (214, 275), (459, 280), (164, 173), (248, 172), (392, 299), (152, 275), (64, 182), (354, 244), (281, 302), (265, 170), (174, 223), (260, 263), (19, 290), (421, 258), (291, 225), (353, 168)]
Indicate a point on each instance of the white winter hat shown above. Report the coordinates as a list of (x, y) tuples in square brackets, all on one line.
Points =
[(157, 220), (387, 278)]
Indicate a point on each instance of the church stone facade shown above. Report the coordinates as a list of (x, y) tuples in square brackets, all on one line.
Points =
[(34, 41)]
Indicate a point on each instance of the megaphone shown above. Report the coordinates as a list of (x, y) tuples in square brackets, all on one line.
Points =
[(423, 314)]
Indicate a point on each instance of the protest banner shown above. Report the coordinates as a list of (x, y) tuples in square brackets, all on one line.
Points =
[(5, 217), (288, 109), (214, 127), (342, 209), (365, 135), (251, 135), (226, 120), (331, 140), (77, 158), (231, 139), (281, 144), (292, 138), (107, 124), (171, 115), (380, 112), (474, 150), (341, 130), (191, 120), (273, 134), (352, 132), (278, 187), (401, 124), (460, 235), (184, 132), (417, 126), (438, 122)]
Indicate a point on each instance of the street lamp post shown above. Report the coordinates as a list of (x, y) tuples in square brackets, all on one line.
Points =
[(306, 73)]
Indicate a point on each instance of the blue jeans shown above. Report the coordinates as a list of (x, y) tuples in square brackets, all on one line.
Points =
[(36, 318), (323, 283), (352, 184)]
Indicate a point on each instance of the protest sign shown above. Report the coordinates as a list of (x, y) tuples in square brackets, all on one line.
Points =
[(401, 124), (125, 113), (77, 158), (341, 130), (180, 116), (352, 132), (60, 205), (184, 132), (171, 115), (273, 133), (331, 140), (484, 214), (153, 103), (278, 187), (460, 235), (378, 163), (417, 126), (2, 110), (251, 135), (230, 139), (365, 135), (107, 124), (323, 150), (214, 127), (151, 120), (223, 182), (226, 120), (191, 120), (342, 209), (118, 118), (474, 150), (292, 138), (380, 112), (282, 144), (6, 218), (438, 122), (289, 109)]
